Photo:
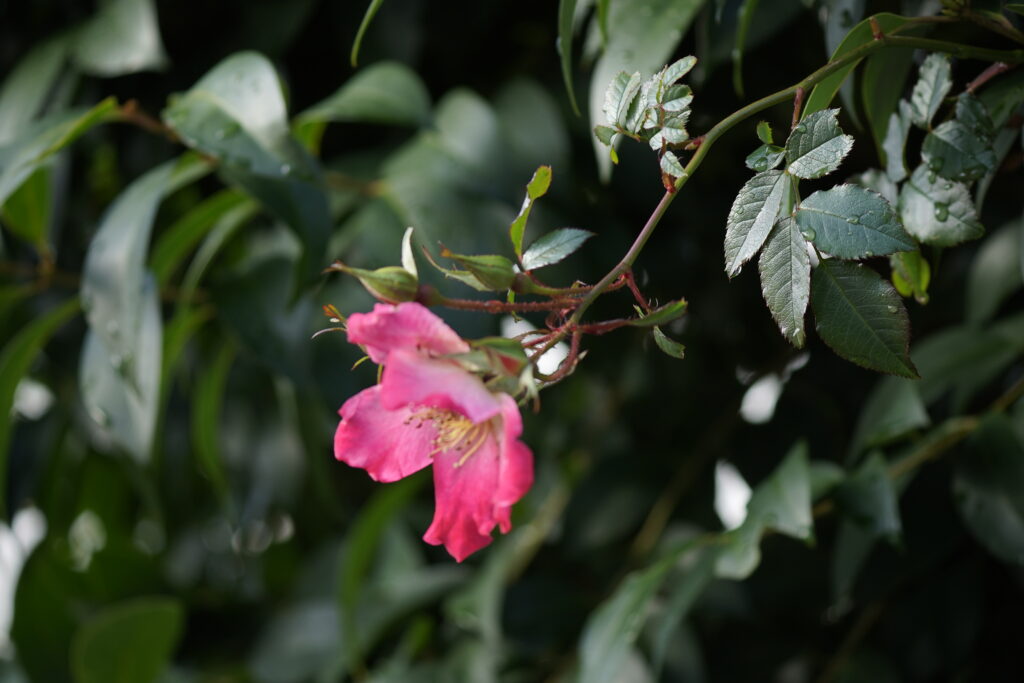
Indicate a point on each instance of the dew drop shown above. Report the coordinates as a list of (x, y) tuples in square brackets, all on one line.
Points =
[(941, 212), (935, 165), (809, 234), (932, 177), (868, 254), (891, 308), (853, 220)]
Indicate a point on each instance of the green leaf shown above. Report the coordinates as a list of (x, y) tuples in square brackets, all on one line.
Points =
[(861, 317), (208, 398), (938, 211), (385, 93), (15, 361), (893, 410), (566, 12), (122, 38), (606, 134), (236, 114), (852, 222), (27, 211), (114, 269), (44, 138), (879, 181), (781, 502), (934, 82), (614, 626), (869, 499), (121, 390), (668, 346), (989, 488), (1002, 97), (995, 273), (859, 35), (493, 271), (371, 11), (785, 269), (765, 158), (764, 132), (882, 86), (971, 112), (130, 642), (661, 315), (535, 189), (26, 88), (175, 243), (955, 151), (554, 246), (696, 576), (645, 34), (670, 164), (962, 360), (752, 216), (1016, 7), (911, 274), (817, 145), (744, 18), (896, 141)]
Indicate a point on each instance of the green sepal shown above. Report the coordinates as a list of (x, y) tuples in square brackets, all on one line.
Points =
[(662, 314), (391, 284)]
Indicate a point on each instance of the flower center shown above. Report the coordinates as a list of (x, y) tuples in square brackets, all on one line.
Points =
[(454, 432)]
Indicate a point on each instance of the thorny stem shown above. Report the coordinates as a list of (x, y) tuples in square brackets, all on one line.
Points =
[(708, 140)]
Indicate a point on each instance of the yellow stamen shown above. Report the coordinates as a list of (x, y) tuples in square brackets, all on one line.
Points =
[(454, 432)]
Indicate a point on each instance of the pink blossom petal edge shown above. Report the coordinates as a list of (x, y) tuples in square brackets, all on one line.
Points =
[(406, 326), (471, 499), (388, 444), (411, 378)]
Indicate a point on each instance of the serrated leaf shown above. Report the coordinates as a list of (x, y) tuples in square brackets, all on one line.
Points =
[(879, 181), (669, 164), (861, 34), (677, 69), (627, 105), (536, 188), (661, 315), (129, 641), (934, 82), (236, 113), (669, 346), (765, 158), (911, 274), (861, 317), (752, 216), (764, 132), (613, 95), (604, 133), (955, 151), (973, 113), (817, 145), (852, 222), (646, 33), (937, 210), (122, 38), (785, 269), (896, 141), (988, 487), (554, 246), (15, 360)]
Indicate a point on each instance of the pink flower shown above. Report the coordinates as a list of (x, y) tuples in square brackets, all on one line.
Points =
[(429, 409)]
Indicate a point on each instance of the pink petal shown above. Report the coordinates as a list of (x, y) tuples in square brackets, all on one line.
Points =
[(406, 326), (411, 378), (388, 444), (473, 497)]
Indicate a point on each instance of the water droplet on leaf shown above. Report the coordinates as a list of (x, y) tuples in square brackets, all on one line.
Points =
[(891, 308), (809, 234), (941, 212)]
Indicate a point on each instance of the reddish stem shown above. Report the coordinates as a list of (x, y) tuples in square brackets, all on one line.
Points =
[(798, 103), (988, 74)]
